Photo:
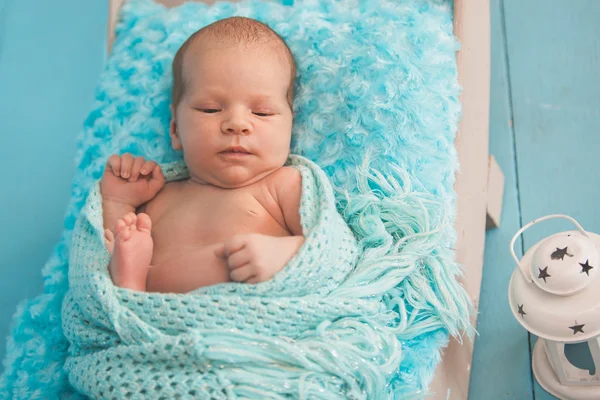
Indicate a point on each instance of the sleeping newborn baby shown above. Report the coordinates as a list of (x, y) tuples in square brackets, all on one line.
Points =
[(237, 216)]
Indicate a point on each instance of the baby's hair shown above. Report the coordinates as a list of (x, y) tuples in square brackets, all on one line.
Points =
[(228, 31)]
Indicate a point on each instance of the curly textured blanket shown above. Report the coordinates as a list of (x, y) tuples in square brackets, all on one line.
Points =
[(377, 109)]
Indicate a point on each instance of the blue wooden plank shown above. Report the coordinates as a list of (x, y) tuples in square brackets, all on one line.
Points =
[(553, 53), (51, 54), (501, 367)]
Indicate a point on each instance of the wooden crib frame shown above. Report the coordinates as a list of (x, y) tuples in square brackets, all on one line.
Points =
[(479, 184)]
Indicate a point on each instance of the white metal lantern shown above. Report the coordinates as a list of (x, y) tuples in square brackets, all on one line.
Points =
[(555, 294)]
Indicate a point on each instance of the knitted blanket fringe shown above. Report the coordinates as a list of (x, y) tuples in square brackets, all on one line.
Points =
[(329, 326)]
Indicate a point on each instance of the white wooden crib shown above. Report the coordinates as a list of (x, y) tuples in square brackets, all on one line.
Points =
[(479, 184)]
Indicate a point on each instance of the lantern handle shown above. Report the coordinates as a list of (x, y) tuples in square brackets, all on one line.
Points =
[(523, 269)]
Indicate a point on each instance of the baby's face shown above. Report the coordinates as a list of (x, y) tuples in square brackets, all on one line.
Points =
[(233, 97)]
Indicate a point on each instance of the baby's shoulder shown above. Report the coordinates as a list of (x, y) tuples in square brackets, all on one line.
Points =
[(285, 184), (286, 174), (286, 177)]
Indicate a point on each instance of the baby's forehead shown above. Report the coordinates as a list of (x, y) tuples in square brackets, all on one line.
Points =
[(266, 51), (203, 50), (266, 46)]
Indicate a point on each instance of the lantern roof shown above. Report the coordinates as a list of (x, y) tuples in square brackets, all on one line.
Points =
[(555, 294)]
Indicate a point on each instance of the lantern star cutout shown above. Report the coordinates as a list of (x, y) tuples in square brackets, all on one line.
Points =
[(560, 254), (577, 328), (523, 313), (586, 267), (544, 274)]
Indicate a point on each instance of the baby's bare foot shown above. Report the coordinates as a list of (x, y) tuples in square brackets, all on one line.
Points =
[(109, 237), (131, 248)]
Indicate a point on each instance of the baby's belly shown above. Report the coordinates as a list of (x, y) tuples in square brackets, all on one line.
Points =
[(184, 269)]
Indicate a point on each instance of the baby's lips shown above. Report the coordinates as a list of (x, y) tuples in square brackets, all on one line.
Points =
[(236, 149)]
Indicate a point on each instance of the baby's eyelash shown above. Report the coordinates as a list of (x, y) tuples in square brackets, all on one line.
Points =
[(216, 110)]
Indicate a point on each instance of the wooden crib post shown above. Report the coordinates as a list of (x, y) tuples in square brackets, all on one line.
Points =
[(472, 27)]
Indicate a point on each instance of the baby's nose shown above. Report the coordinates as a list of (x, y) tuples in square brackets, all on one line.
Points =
[(237, 125), (238, 130)]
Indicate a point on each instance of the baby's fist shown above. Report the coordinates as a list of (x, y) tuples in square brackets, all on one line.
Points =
[(254, 258), (129, 180)]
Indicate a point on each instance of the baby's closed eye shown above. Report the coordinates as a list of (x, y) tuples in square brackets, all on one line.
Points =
[(263, 113), (264, 110)]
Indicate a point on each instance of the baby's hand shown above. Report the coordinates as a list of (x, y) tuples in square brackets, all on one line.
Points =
[(131, 181), (254, 258)]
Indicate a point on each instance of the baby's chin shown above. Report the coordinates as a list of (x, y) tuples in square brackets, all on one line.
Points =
[(233, 177)]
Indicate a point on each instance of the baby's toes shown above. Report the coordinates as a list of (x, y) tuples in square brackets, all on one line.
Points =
[(144, 223), (120, 226), (125, 234), (130, 218), (109, 240)]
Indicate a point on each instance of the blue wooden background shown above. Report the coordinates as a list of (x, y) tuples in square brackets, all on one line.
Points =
[(545, 113), (51, 55), (544, 132)]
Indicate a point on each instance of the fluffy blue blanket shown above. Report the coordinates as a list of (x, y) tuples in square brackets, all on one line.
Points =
[(377, 109)]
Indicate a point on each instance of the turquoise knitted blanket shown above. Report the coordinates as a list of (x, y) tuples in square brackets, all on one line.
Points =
[(325, 327), (229, 340)]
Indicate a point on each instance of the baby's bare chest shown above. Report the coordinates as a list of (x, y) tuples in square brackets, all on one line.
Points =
[(198, 217)]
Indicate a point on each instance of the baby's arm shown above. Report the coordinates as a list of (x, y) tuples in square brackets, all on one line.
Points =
[(126, 184), (112, 211), (288, 190)]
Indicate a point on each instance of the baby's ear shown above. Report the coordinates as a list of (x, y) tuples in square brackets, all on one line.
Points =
[(175, 140)]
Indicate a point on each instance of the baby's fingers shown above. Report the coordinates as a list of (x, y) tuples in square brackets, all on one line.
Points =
[(126, 165), (135, 169), (243, 274), (147, 167), (114, 164), (157, 179), (235, 244), (239, 259), (220, 250)]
